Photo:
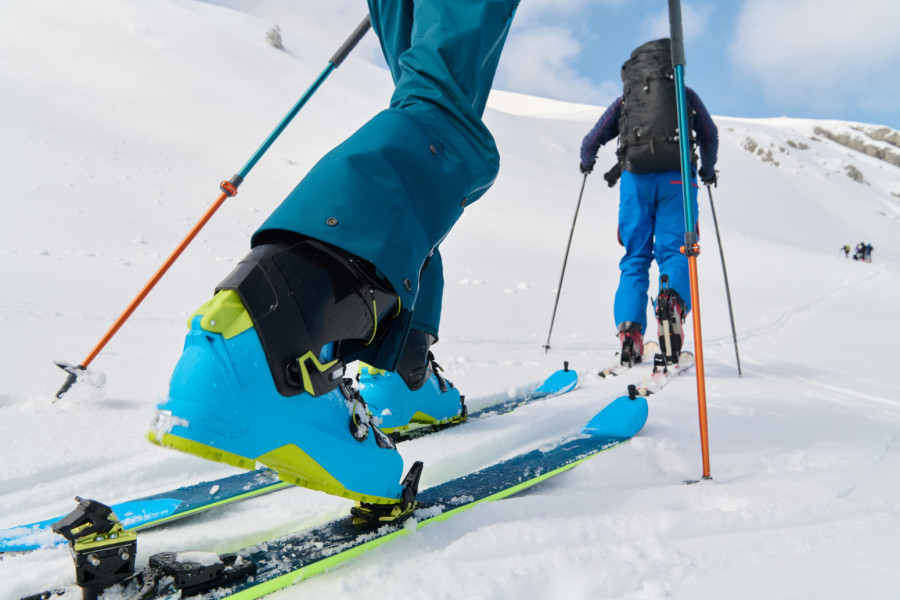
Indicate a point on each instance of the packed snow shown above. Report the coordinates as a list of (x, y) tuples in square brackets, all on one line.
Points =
[(120, 119)]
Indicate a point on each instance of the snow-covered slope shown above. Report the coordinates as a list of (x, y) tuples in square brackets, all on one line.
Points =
[(118, 121)]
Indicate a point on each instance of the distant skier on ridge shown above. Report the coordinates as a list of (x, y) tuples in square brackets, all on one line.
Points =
[(348, 268), (651, 207)]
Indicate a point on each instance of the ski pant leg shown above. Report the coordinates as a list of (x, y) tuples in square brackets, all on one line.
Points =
[(443, 54), (462, 90), (669, 233), (636, 223), (392, 191), (392, 22), (427, 316)]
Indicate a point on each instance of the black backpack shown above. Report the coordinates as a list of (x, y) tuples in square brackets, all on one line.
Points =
[(648, 118)]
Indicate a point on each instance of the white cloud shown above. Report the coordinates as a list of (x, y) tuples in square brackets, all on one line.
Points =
[(694, 20), (539, 61), (821, 53)]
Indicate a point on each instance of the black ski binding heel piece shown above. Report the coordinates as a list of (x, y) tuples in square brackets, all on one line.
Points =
[(670, 309), (192, 577), (660, 363), (103, 551)]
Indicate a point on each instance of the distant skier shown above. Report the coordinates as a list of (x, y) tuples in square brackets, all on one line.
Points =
[(860, 252), (651, 207), (846, 249), (348, 268), (868, 253)]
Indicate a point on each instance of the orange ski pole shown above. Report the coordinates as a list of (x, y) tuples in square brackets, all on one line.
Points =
[(691, 248), (698, 359), (229, 189), (73, 371)]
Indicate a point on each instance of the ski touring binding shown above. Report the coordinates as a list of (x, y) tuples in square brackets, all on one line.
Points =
[(661, 362), (670, 313), (371, 516), (193, 573), (632, 341), (103, 551)]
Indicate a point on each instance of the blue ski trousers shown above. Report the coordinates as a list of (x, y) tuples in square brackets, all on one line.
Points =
[(651, 226)]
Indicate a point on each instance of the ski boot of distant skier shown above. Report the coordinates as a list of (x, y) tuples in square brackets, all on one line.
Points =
[(416, 393), (632, 341), (261, 376), (670, 315)]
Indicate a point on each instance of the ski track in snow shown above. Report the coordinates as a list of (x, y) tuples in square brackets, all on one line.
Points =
[(807, 306)]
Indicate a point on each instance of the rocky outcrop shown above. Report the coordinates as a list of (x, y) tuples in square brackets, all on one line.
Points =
[(752, 147), (860, 144), (854, 174), (882, 134)]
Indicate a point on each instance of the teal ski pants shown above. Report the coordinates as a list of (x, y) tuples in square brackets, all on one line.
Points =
[(392, 191)]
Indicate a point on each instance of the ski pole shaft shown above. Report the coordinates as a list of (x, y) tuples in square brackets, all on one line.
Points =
[(698, 358), (691, 247), (155, 279), (229, 189), (565, 260), (737, 354), (335, 61)]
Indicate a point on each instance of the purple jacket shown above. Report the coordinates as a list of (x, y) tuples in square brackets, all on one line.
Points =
[(705, 132)]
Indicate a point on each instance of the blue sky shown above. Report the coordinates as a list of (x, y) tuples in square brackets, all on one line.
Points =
[(825, 59), (746, 58)]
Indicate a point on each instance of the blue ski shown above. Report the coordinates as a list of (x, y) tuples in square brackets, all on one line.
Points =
[(157, 509), (291, 559), (272, 565)]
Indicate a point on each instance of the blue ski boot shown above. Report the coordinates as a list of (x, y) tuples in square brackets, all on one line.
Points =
[(261, 376), (415, 394)]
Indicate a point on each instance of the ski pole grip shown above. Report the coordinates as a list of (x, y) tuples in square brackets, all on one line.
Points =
[(676, 33), (351, 42)]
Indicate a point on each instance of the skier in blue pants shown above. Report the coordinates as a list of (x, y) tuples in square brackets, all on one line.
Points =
[(651, 206), (651, 225), (348, 269)]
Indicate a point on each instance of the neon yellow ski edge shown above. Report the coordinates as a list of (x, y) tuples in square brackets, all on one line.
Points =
[(323, 565)]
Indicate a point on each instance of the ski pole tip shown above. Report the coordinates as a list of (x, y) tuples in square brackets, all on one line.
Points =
[(695, 481), (74, 371)]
